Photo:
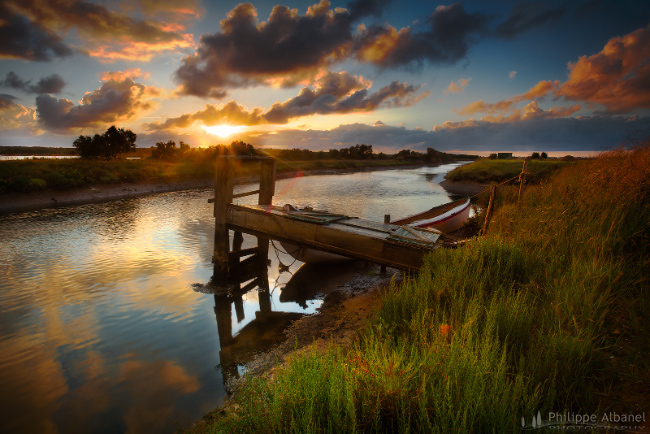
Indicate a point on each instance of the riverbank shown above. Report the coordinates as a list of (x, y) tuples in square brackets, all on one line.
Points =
[(545, 315), (32, 201)]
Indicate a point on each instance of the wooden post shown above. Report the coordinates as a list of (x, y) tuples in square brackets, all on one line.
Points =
[(382, 269), (267, 190), (522, 180), (488, 213), (223, 190)]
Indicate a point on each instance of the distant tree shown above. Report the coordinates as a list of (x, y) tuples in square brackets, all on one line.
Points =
[(240, 148), (114, 143), (168, 151), (535, 156), (493, 156), (544, 155)]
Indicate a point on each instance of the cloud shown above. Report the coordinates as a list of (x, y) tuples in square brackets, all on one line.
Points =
[(617, 78), (117, 100), (106, 34), (525, 16), (290, 49), (51, 84), (595, 133), (362, 8), (451, 31), (512, 74), (246, 52), (14, 115), (458, 86), (22, 38), (332, 93), (167, 9)]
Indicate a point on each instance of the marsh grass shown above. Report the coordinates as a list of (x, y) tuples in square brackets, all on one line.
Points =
[(36, 175), (547, 313), (495, 171)]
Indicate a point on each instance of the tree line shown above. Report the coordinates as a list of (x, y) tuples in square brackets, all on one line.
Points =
[(117, 142)]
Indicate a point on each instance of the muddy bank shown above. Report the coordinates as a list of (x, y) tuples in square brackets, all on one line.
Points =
[(464, 188), (32, 201), (346, 309)]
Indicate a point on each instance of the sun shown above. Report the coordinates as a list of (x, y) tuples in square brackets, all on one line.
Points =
[(223, 130)]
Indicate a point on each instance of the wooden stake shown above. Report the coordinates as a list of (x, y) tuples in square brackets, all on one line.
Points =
[(382, 269), (522, 180), (488, 213), (267, 190), (223, 190)]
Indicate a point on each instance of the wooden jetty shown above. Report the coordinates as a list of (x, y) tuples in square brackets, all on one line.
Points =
[(395, 246)]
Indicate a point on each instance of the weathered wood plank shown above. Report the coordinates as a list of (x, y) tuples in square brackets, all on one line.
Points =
[(362, 239)]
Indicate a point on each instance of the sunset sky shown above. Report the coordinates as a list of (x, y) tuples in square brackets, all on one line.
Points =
[(473, 76)]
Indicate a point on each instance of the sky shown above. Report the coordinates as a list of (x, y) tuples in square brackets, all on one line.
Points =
[(472, 76)]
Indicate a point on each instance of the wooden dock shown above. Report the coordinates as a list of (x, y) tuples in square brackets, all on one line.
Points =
[(387, 244)]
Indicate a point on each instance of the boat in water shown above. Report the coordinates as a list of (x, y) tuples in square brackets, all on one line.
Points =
[(445, 218)]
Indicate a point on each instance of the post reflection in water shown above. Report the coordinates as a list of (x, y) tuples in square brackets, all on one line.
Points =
[(101, 330), (266, 329)]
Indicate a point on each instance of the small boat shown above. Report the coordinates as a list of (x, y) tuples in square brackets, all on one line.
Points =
[(446, 218)]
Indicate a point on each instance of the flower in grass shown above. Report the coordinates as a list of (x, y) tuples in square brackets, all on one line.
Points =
[(445, 330)]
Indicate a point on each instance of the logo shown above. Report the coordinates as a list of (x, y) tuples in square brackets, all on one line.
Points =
[(626, 422)]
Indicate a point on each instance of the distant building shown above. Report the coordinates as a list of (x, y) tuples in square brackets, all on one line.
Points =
[(504, 155)]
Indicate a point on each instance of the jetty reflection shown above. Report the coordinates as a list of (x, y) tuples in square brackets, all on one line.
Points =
[(248, 272)]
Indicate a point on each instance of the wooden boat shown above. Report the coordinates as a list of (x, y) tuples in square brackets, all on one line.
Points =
[(445, 218)]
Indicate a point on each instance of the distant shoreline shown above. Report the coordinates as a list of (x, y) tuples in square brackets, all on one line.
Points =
[(37, 200)]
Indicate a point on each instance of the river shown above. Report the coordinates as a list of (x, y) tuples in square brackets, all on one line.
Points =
[(102, 328)]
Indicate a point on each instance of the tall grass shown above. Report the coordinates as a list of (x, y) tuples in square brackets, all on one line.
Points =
[(531, 318), (496, 171)]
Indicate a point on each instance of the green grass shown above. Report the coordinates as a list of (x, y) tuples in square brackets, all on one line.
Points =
[(496, 171), (40, 174), (547, 313)]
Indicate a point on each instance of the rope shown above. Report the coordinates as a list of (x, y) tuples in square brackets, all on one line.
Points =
[(501, 183)]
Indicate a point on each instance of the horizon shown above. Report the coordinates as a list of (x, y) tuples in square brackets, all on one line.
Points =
[(467, 77)]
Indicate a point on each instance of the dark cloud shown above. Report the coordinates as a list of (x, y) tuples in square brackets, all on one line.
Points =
[(6, 101), (289, 48), (106, 34), (51, 84), (332, 93), (246, 52), (525, 16), (115, 100), (595, 133), (21, 38), (451, 31), (363, 8)]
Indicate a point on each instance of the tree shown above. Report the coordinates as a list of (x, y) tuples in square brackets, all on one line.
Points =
[(493, 156), (112, 144), (535, 156), (544, 155)]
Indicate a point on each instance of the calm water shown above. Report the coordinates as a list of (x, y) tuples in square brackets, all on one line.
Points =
[(103, 327)]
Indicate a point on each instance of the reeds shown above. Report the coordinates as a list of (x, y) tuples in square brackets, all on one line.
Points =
[(546, 314)]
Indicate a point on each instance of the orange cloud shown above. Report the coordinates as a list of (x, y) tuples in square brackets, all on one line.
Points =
[(117, 100), (14, 115), (458, 86), (483, 107), (106, 34), (332, 93), (616, 78)]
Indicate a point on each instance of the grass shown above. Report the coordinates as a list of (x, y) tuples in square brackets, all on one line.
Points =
[(547, 313), (41, 174), (497, 171)]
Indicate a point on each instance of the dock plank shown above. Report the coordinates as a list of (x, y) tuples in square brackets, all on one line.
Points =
[(351, 237)]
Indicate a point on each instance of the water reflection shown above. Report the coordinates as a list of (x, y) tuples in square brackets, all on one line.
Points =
[(100, 330)]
